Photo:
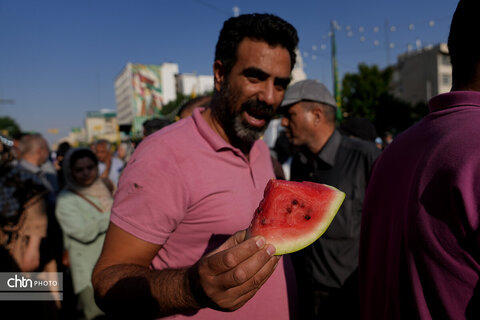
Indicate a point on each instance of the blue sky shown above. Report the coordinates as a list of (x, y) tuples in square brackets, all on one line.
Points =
[(59, 58)]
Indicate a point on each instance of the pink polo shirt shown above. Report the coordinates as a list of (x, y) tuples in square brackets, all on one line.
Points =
[(188, 190)]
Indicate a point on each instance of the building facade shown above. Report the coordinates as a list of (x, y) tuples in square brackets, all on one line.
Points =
[(190, 84), (102, 124), (141, 90), (422, 74), (298, 74)]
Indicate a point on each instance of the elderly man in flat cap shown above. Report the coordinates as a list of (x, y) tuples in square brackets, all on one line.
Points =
[(326, 270)]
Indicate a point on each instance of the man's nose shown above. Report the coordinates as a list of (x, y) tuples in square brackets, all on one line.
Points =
[(268, 93), (284, 122)]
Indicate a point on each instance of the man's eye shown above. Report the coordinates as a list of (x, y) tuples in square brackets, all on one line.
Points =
[(253, 79), (282, 83)]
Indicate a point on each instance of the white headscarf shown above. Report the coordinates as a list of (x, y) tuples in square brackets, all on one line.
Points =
[(97, 189)]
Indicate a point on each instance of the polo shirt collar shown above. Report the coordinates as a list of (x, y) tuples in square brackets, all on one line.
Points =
[(454, 99), (214, 140), (329, 150)]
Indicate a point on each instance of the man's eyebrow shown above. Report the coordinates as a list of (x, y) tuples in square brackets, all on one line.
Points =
[(260, 74), (283, 82), (255, 72)]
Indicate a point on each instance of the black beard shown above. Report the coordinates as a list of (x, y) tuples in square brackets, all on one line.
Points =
[(238, 131)]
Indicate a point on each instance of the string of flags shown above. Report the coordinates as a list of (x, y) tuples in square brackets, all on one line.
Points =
[(376, 37)]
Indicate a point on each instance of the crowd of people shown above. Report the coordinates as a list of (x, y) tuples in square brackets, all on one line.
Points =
[(157, 230)]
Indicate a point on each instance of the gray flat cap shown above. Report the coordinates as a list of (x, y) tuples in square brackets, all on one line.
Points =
[(308, 90)]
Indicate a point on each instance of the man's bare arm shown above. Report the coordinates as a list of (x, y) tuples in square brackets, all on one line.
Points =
[(225, 279)]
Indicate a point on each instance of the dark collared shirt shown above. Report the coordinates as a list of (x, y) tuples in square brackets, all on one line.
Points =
[(344, 163)]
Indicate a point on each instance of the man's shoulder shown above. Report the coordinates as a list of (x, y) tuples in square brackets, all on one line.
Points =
[(177, 138), (25, 173), (173, 133), (359, 145)]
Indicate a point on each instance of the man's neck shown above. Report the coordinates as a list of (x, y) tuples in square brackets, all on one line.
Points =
[(321, 139), (472, 85), (213, 123), (217, 128)]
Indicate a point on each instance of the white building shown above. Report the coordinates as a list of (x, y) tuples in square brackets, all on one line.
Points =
[(422, 74), (102, 124), (298, 74), (190, 84), (141, 90)]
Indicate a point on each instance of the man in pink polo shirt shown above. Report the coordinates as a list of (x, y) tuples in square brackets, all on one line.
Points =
[(173, 248)]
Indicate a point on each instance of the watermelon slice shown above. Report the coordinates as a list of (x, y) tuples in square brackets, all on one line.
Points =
[(292, 215)]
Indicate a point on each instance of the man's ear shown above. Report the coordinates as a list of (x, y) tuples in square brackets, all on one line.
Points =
[(218, 74), (317, 114)]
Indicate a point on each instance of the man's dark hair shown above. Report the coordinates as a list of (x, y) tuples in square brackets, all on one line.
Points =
[(266, 27), (463, 48), (153, 125), (63, 148)]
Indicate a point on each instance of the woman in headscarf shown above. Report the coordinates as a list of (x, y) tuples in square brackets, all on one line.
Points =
[(83, 211)]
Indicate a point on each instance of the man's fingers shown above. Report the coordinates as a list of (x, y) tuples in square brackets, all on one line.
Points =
[(228, 259), (251, 274), (232, 241), (237, 296)]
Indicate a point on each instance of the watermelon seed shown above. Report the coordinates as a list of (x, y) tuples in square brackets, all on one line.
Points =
[(263, 221), (294, 202), (307, 217), (259, 209), (289, 210)]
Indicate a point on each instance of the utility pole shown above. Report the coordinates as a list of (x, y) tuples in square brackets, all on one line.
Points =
[(336, 85), (387, 42)]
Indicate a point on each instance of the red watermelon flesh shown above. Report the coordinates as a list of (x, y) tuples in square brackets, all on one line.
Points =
[(292, 215)]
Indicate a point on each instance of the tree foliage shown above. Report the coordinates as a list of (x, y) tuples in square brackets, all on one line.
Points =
[(9, 126), (174, 104), (366, 94)]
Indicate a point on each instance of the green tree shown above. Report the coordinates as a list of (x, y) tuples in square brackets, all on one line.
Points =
[(361, 92), (9, 126), (366, 94), (173, 105)]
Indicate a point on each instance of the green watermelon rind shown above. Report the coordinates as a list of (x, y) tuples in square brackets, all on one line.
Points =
[(302, 243), (289, 246)]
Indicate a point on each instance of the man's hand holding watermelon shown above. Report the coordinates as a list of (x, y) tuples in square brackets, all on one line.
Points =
[(229, 276), (225, 279), (291, 216)]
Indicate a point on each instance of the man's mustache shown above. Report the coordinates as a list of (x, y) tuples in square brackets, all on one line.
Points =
[(258, 109)]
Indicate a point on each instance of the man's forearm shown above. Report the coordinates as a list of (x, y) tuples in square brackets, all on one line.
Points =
[(136, 291)]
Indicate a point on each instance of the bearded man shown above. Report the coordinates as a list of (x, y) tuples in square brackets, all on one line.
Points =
[(174, 247)]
